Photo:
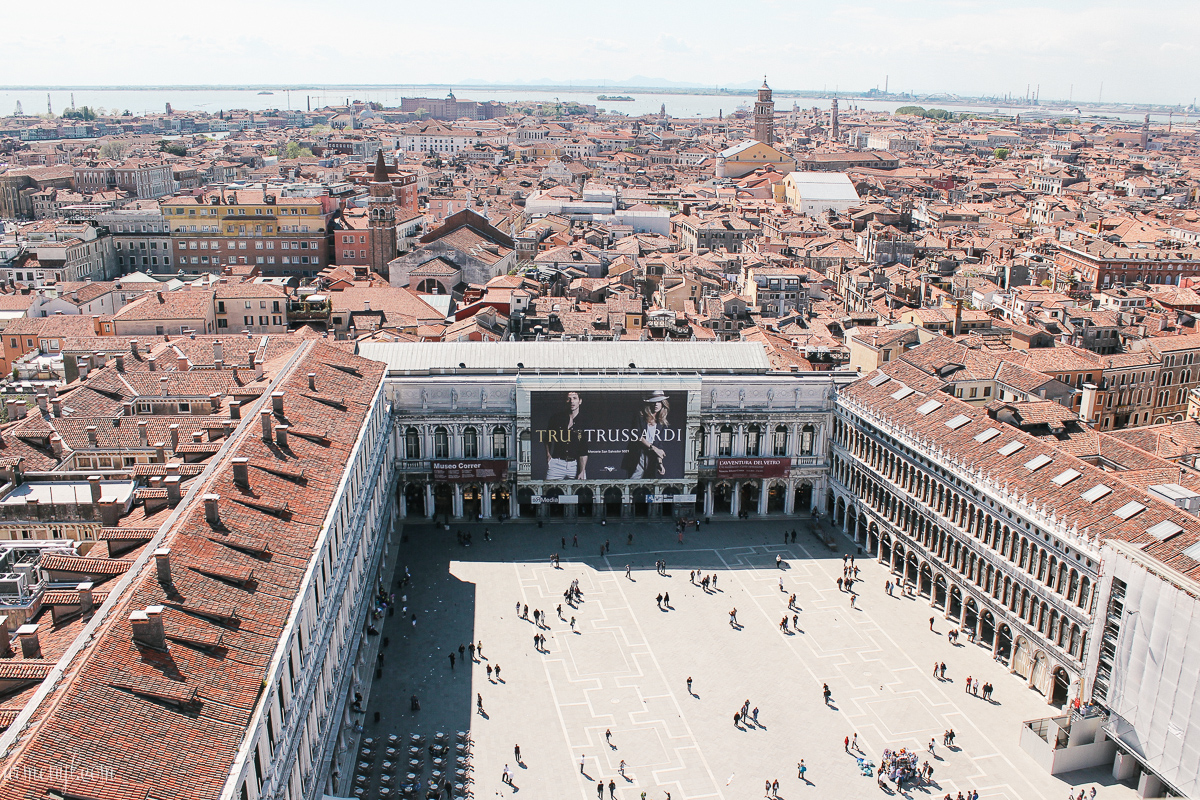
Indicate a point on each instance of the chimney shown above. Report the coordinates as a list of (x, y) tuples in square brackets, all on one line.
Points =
[(148, 628), (258, 369), (174, 494), (127, 408), (277, 403), (281, 432), (84, 366), (181, 363), (56, 405), (250, 358), (197, 437), (133, 348), (174, 429), (218, 351), (162, 563), (1087, 409), (162, 385), (142, 440), (120, 362), (235, 409), (5, 644), (52, 391), (110, 511), (958, 317), (86, 604), (99, 359), (56, 444), (160, 452), (211, 513), (152, 363), (14, 409), (214, 401), (265, 417), (94, 485), (241, 472), (41, 401), (91, 434), (31, 647), (312, 381)]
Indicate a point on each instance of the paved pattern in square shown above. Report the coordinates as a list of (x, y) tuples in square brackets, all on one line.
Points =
[(623, 670)]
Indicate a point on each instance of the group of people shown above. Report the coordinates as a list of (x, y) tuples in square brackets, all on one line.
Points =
[(903, 766), (745, 715), (977, 689), (703, 582)]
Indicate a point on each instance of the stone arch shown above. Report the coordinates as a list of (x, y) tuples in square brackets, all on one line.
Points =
[(777, 497), (1022, 660)]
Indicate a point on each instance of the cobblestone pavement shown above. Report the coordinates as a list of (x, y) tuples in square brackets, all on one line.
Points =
[(624, 669)]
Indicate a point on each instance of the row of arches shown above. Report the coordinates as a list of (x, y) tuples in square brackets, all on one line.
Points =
[(1020, 549), (485, 500)]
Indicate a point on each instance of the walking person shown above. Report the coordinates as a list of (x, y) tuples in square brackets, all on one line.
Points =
[(572, 624), (931, 623), (800, 770), (608, 736), (581, 758), (659, 599), (689, 682), (517, 752), (471, 650), (479, 703), (667, 599), (621, 768), (489, 673), (452, 661), (627, 575), (612, 788), (505, 777), (497, 668)]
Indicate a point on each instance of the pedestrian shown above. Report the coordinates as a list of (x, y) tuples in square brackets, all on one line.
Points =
[(781, 584), (608, 736), (796, 621), (931, 623), (627, 575), (783, 623), (504, 777), (736, 716), (768, 790), (659, 599), (778, 561), (602, 551), (612, 788), (846, 744), (968, 687), (564, 542), (537, 642), (572, 624), (667, 599), (931, 746), (714, 581), (854, 742), (692, 576), (414, 620), (825, 691), (461, 650), (852, 600), (689, 684), (629, 539), (600, 790), (800, 770), (943, 669), (754, 715), (733, 618), (479, 702), (525, 613), (621, 768), (497, 669), (775, 788), (839, 584), (489, 673), (517, 752), (575, 540), (518, 608), (452, 661), (581, 765), (479, 648), (471, 650), (935, 669)]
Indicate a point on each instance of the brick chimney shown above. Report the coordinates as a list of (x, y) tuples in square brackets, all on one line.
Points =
[(181, 363), (241, 472), (86, 603), (214, 401), (31, 646), (127, 408), (212, 513), (174, 431), (42, 402), (143, 438), (110, 511), (120, 362), (258, 369), (133, 348), (56, 444), (56, 404), (15, 409), (94, 485), (265, 417), (99, 358), (312, 381), (174, 495), (160, 452), (162, 385), (162, 563), (281, 436), (5, 643), (218, 351), (91, 434), (235, 409), (152, 363), (148, 628), (277, 403)]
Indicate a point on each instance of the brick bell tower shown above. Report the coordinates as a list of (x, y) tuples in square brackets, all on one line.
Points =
[(381, 218), (764, 115)]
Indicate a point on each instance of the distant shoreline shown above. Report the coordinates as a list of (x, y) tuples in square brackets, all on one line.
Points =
[(924, 100)]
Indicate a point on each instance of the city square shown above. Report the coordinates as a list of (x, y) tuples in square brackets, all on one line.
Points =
[(624, 668)]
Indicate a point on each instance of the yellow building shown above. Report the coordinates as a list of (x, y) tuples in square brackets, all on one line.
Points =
[(248, 227), (745, 157)]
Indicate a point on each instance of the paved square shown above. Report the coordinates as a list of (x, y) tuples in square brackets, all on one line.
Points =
[(625, 666)]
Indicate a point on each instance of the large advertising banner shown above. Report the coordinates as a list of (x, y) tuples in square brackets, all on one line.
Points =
[(619, 435)]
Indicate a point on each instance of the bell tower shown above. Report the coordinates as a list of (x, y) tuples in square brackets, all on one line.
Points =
[(381, 218), (764, 115)]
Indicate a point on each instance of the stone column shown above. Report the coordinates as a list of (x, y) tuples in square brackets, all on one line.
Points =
[(708, 498), (429, 508), (512, 501), (995, 640), (789, 500), (735, 501), (762, 498), (626, 503), (485, 501), (946, 610), (457, 503)]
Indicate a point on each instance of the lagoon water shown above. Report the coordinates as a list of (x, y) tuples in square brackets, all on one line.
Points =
[(212, 100)]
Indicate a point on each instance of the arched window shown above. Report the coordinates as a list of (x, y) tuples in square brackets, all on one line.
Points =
[(441, 443), (523, 451), (725, 441), (780, 447), (499, 443), (470, 443), (412, 444), (753, 435), (806, 440)]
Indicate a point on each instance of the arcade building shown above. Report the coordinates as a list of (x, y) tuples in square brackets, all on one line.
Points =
[(471, 424)]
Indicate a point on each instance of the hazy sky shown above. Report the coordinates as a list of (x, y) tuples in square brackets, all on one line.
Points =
[(1141, 51)]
